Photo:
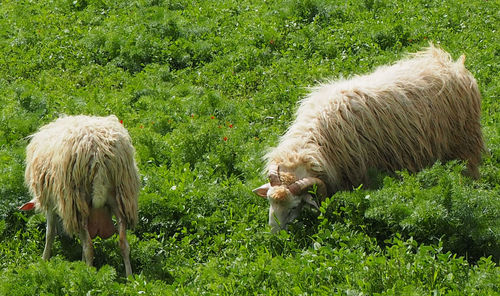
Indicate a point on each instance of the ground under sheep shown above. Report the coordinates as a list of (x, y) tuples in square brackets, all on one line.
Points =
[(408, 115), (82, 169)]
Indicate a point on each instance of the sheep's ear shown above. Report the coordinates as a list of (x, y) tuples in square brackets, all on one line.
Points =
[(30, 205), (262, 190), (309, 200)]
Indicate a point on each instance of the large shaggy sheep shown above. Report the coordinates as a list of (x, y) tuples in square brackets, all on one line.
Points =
[(82, 169), (404, 116)]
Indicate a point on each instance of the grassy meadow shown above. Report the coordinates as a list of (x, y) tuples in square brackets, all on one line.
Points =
[(205, 88)]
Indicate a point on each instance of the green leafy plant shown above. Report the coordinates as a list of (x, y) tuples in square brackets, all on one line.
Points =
[(204, 88)]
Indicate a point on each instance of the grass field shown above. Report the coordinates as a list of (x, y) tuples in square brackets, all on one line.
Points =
[(205, 88)]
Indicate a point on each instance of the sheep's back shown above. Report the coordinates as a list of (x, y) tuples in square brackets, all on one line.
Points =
[(403, 116)]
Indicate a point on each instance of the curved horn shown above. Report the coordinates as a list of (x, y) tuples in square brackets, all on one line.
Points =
[(274, 175), (299, 186)]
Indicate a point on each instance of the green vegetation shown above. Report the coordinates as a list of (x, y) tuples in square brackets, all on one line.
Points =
[(204, 88)]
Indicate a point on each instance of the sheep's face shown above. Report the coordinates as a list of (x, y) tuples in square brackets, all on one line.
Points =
[(284, 206), (287, 196)]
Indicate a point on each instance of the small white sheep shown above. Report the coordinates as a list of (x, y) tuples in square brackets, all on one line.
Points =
[(82, 169), (404, 116)]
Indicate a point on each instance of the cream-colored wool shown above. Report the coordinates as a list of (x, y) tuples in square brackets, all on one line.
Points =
[(79, 162), (403, 116)]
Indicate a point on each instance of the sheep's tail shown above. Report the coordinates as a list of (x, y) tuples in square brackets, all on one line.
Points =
[(73, 209)]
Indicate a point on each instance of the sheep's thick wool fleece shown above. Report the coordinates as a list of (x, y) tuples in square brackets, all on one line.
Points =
[(402, 116), (79, 162)]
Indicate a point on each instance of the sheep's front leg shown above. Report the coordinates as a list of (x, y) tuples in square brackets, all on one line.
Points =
[(50, 233), (472, 171), (87, 247), (124, 246)]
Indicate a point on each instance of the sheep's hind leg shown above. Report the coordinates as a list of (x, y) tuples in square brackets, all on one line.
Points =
[(87, 246), (124, 246), (50, 233)]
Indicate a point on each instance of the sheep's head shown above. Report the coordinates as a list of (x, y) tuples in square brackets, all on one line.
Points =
[(287, 196)]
